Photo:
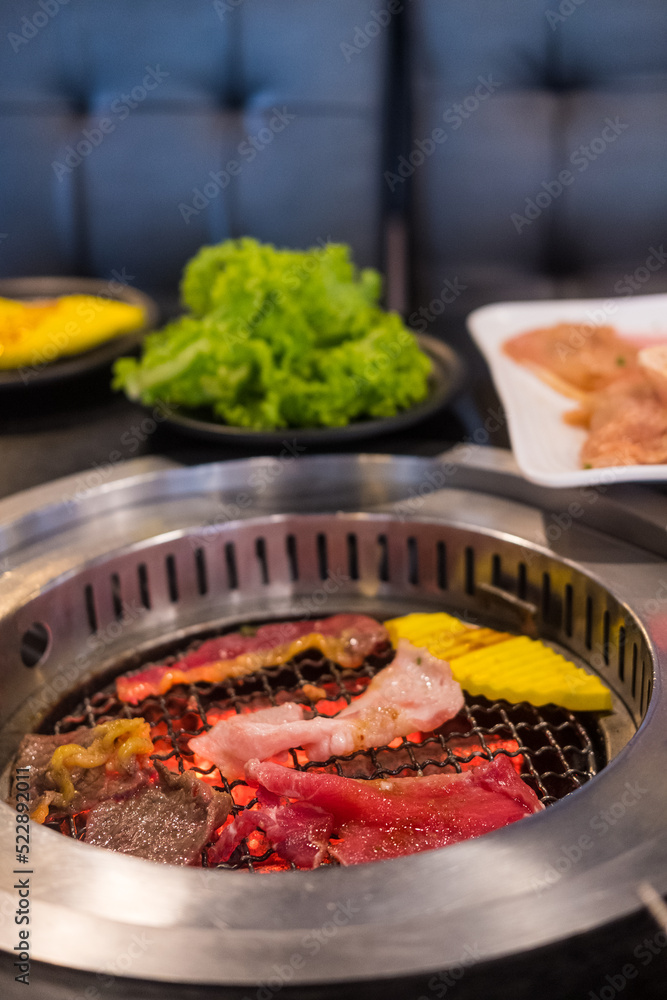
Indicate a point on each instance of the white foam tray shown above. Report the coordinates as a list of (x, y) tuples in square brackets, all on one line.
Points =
[(547, 449)]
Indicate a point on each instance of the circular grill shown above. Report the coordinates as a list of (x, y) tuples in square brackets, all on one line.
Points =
[(142, 569), (552, 747)]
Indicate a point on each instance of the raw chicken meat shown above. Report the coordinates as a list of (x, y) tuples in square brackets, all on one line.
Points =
[(575, 358), (627, 423), (622, 390)]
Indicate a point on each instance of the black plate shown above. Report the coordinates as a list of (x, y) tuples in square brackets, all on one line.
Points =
[(444, 380), (87, 361)]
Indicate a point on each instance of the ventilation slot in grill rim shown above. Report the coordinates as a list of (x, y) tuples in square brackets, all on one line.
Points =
[(441, 564), (91, 612), (546, 595), (172, 577), (292, 557), (383, 559), (201, 572), (230, 561), (606, 624), (621, 652), (588, 637), (643, 687), (522, 581), (144, 586), (469, 559), (568, 609), (352, 556), (413, 561), (116, 596), (322, 556), (262, 559)]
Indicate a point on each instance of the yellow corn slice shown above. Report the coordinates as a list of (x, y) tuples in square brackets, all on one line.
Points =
[(499, 665)]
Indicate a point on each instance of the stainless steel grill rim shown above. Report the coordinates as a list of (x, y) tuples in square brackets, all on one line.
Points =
[(397, 910)]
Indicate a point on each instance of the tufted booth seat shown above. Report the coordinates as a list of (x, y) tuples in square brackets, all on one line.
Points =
[(548, 175), (133, 133), (527, 162)]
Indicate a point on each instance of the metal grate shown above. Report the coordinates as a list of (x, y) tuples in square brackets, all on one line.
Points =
[(553, 748)]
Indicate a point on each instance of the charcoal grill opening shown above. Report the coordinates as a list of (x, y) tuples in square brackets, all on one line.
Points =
[(556, 751), (325, 564)]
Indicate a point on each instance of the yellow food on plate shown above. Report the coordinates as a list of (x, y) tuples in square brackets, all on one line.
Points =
[(37, 332), (500, 665)]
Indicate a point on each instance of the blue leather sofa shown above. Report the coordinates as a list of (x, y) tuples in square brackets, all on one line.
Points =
[(518, 145), (133, 133), (550, 181)]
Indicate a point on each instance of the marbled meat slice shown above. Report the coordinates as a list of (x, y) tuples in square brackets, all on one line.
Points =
[(380, 819), (347, 639), (416, 691), (91, 785), (170, 821)]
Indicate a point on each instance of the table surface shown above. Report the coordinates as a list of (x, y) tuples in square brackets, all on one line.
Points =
[(83, 427)]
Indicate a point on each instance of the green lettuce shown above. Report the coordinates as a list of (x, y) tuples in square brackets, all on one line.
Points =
[(280, 338)]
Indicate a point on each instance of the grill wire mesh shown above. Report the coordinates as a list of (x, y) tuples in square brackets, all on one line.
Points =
[(552, 748)]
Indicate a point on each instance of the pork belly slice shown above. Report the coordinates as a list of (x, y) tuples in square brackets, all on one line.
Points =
[(91, 784), (170, 821), (376, 820), (346, 639), (416, 691)]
